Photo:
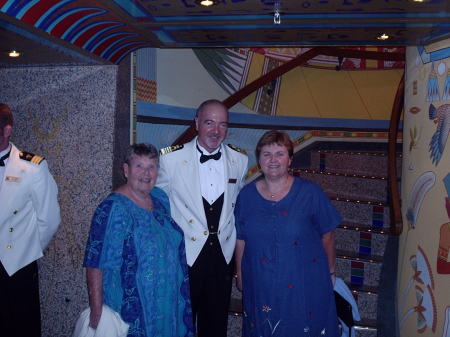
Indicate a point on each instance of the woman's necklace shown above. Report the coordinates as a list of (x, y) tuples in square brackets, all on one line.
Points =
[(281, 191)]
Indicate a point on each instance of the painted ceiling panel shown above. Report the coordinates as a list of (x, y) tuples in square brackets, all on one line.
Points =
[(111, 29)]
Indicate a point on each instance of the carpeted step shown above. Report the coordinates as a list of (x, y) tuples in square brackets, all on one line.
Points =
[(358, 269), (354, 238), (363, 213), (369, 163), (347, 187)]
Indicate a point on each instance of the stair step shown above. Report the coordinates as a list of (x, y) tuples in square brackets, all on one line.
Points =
[(234, 326), (358, 269), (372, 215), (365, 331), (360, 240), (348, 187), (356, 162), (367, 304)]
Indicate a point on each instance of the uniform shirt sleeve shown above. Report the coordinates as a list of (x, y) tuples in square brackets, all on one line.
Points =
[(44, 194), (325, 215)]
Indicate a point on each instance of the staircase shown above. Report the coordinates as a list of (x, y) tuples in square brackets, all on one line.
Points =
[(356, 182)]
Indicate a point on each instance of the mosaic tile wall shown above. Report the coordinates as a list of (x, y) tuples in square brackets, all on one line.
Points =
[(67, 115)]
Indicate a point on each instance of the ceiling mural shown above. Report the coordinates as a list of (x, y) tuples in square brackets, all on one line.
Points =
[(234, 68), (108, 30)]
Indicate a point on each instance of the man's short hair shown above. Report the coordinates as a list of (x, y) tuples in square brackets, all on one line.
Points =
[(6, 117), (208, 102)]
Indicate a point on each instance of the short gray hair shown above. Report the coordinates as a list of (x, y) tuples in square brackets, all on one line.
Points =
[(210, 102), (142, 149)]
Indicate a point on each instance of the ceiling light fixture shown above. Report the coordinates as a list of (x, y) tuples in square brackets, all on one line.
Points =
[(13, 53), (383, 37), (207, 3)]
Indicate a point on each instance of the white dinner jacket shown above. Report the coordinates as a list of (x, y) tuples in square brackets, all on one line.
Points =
[(29, 211), (179, 177)]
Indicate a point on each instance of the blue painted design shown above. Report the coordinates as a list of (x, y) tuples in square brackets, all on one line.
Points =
[(15, 7), (94, 38), (112, 47), (46, 18), (139, 46), (25, 8), (132, 8), (74, 32), (69, 12), (96, 41), (8, 4), (433, 56), (446, 181)]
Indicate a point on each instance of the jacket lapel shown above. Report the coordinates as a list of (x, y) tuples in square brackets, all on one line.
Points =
[(11, 178), (190, 171), (229, 172)]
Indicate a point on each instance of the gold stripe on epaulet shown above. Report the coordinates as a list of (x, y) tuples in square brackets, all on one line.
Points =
[(169, 149), (238, 149), (31, 157)]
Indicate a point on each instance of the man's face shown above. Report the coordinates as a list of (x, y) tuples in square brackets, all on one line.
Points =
[(212, 126), (5, 132)]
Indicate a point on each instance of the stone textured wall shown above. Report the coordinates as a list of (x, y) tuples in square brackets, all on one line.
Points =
[(67, 114)]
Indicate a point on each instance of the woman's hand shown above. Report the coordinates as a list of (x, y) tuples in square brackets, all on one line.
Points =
[(94, 317)]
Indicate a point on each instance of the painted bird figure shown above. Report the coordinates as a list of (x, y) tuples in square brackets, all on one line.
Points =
[(441, 116)]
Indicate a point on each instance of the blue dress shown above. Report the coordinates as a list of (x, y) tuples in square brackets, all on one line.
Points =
[(287, 289), (142, 257)]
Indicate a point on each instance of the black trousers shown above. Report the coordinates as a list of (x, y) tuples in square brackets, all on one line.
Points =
[(20, 314), (210, 281)]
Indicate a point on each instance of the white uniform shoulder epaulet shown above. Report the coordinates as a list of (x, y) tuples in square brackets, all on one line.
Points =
[(31, 157), (169, 149), (238, 149)]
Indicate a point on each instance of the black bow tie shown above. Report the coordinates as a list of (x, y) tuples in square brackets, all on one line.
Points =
[(206, 157), (2, 159)]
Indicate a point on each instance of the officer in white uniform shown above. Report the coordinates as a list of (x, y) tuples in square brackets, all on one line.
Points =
[(202, 179), (29, 216)]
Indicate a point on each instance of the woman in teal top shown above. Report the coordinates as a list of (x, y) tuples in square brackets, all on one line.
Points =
[(135, 258)]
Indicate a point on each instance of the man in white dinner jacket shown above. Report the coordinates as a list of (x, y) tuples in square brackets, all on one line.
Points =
[(202, 179), (29, 216)]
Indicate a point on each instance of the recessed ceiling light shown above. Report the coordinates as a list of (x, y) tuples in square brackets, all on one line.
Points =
[(13, 53), (207, 3), (383, 37)]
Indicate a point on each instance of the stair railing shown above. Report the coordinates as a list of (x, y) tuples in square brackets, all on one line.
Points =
[(395, 203)]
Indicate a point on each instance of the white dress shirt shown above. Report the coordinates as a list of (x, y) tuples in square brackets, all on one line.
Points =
[(211, 176)]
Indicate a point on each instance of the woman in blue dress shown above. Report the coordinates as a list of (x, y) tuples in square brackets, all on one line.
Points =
[(285, 252), (135, 258)]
